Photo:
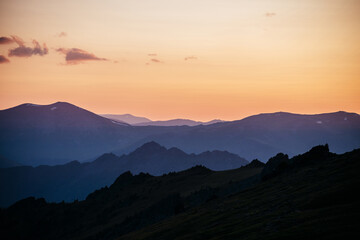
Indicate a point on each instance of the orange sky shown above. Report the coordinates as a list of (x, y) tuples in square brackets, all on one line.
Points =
[(243, 56)]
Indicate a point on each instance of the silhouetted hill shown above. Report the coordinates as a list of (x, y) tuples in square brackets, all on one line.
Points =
[(76, 180), (50, 134), (255, 164), (6, 163), (61, 132), (131, 202), (307, 196)]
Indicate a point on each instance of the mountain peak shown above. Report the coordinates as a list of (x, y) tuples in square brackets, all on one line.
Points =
[(198, 169), (150, 147), (255, 164)]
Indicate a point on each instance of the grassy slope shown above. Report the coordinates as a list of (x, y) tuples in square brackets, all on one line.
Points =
[(314, 201), (110, 212)]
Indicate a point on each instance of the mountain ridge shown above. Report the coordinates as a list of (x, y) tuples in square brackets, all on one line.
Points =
[(40, 135), (74, 180), (198, 203)]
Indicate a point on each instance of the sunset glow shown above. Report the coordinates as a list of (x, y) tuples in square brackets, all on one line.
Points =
[(165, 59)]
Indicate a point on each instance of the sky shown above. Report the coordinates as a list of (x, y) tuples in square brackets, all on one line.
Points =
[(196, 59)]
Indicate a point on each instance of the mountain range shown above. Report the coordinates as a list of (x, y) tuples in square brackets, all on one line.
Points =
[(76, 180), (308, 196), (178, 122), (141, 121), (61, 132)]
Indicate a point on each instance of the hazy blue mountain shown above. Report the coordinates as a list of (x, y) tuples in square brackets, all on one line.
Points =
[(61, 132), (127, 118), (56, 133), (76, 180), (264, 135), (177, 122), (142, 121)]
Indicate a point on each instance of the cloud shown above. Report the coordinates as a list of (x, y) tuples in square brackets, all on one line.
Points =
[(3, 59), (152, 54), (18, 40), (62, 34), (270, 14), (76, 55), (23, 51), (156, 60), (190, 58), (6, 40)]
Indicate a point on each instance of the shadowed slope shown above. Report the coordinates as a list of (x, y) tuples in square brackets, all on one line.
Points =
[(76, 180), (310, 196), (131, 202)]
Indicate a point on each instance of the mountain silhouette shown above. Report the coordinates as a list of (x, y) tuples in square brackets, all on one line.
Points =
[(61, 132), (56, 133), (6, 163), (76, 180), (311, 194)]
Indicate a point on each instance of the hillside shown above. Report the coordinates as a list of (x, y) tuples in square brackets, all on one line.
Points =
[(307, 196), (129, 203), (76, 180)]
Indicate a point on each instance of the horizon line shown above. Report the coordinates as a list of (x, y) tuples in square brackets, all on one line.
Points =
[(177, 118)]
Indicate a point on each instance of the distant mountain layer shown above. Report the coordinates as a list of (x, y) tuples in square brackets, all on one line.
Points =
[(141, 121), (75, 180), (177, 122), (127, 118), (311, 196), (61, 132)]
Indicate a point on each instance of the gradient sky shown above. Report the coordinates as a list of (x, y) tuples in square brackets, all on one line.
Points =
[(198, 59)]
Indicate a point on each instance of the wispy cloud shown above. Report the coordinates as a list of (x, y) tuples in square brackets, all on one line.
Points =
[(76, 55), (62, 34), (3, 59), (24, 51), (270, 14), (6, 40), (152, 54), (190, 58), (156, 60)]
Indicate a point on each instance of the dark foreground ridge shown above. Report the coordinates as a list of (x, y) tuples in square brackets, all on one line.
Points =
[(76, 180), (310, 196)]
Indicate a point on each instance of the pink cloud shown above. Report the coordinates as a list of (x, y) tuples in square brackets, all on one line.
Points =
[(156, 60), (190, 58), (76, 55), (62, 34), (270, 14), (3, 59), (24, 51), (6, 40)]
